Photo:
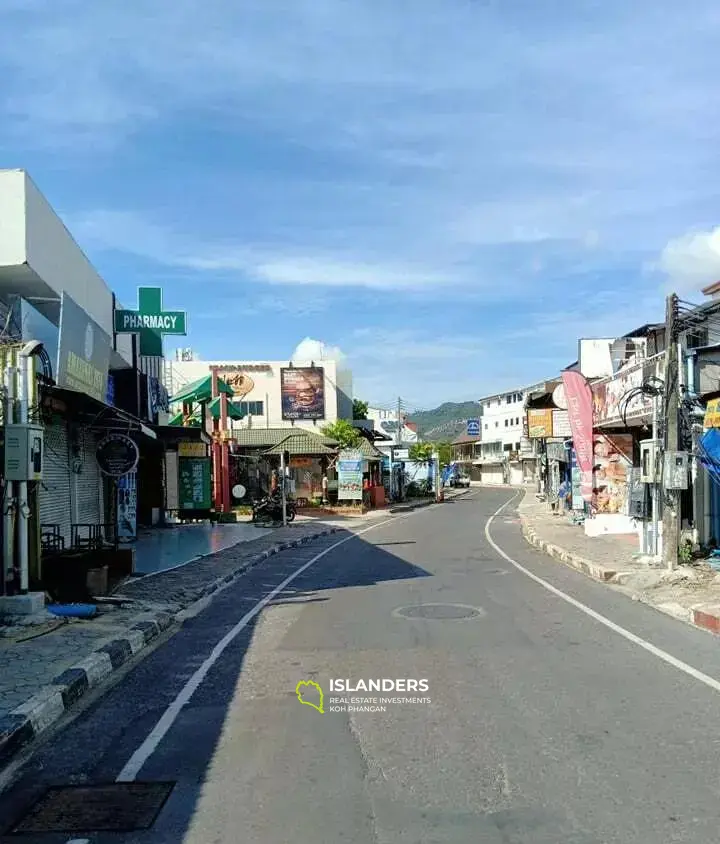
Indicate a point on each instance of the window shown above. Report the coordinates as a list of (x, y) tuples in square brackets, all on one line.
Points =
[(507, 447), (517, 420), (496, 424), (486, 426), (517, 446), (506, 423), (250, 408), (509, 399)]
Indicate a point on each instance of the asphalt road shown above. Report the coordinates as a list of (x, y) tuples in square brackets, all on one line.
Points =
[(559, 711)]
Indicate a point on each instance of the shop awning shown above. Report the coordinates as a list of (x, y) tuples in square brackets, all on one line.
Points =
[(88, 411), (177, 433), (301, 445), (233, 412), (201, 390)]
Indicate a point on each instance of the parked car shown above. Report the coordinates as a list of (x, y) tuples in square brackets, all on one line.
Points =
[(462, 479)]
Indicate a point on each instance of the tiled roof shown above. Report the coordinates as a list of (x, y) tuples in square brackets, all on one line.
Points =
[(268, 437), (303, 444), (464, 438), (368, 450)]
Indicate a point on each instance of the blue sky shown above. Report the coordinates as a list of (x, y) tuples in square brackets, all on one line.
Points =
[(450, 192)]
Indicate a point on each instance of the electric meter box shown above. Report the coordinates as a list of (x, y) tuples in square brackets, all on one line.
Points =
[(23, 452), (649, 451), (675, 470)]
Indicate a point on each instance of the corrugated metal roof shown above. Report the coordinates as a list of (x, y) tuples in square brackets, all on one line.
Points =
[(268, 437)]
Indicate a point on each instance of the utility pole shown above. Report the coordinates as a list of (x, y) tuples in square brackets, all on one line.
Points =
[(671, 509)]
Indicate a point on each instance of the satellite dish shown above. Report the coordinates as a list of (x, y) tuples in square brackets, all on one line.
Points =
[(558, 397), (239, 491)]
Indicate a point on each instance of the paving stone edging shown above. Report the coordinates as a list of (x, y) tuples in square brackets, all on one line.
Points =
[(27, 721), (703, 617)]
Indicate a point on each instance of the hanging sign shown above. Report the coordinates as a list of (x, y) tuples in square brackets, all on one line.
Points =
[(117, 455)]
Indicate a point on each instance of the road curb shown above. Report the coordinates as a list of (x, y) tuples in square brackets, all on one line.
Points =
[(27, 721), (704, 618), (574, 561)]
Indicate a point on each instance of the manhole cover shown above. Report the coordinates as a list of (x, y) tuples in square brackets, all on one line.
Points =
[(440, 611), (116, 807)]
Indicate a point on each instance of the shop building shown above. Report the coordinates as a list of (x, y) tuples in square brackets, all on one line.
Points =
[(271, 394), (91, 388)]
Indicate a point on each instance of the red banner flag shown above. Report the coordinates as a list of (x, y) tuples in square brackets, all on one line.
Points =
[(579, 397)]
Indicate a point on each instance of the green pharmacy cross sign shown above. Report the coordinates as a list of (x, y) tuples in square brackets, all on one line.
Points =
[(150, 321)]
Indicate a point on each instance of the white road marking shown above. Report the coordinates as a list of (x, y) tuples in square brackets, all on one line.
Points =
[(136, 762), (711, 682), (79, 841)]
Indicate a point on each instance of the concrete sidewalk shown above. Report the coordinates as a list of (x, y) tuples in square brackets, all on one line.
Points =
[(690, 593)]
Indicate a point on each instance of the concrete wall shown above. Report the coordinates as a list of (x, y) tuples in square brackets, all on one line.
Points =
[(40, 259), (12, 218)]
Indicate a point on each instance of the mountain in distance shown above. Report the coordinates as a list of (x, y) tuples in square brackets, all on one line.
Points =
[(446, 422)]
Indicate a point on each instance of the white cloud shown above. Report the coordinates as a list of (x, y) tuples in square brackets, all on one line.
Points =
[(316, 350), (691, 262)]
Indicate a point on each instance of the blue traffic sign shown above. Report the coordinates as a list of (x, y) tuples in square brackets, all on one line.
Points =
[(473, 427)]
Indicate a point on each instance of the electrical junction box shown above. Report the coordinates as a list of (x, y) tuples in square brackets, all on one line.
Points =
[(23, 452), (675, 470), (649, 455)]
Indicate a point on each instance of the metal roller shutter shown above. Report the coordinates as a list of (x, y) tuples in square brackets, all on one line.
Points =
[(89, 499), (55, 499)]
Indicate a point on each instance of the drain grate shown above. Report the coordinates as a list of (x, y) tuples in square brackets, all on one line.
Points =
[(440, 612), (115, 807)]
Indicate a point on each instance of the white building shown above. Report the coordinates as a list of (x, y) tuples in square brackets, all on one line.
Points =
[(386, 421), (324, 388), (506, 453)]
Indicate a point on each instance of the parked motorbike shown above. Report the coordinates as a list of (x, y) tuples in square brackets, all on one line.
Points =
[(269, 509)]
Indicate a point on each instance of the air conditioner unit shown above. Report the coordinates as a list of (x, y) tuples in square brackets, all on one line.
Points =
[(649, 461)]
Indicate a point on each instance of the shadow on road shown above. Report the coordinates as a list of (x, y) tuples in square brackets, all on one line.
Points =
[(96, 746)]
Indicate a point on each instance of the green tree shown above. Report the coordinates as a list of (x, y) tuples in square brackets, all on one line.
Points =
[(421, 452), (446, 453), (360, 409), (343, 432)]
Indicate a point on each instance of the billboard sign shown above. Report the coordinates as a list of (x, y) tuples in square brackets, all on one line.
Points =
[(473, 427), (302, 393), (350, 475), (83, 352)]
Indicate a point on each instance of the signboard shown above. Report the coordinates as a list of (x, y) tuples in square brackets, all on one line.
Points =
[(150, 322), (473, 427), (239, 382), (712, 414), (580, 410), (558, 397), (117, 455), (301, 462), (186, 449), (127, 507), (540, 423), (302, 393), (350, 472), (194, 483), (610, 397), (557, 452), (83, 352), (561, 424)]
